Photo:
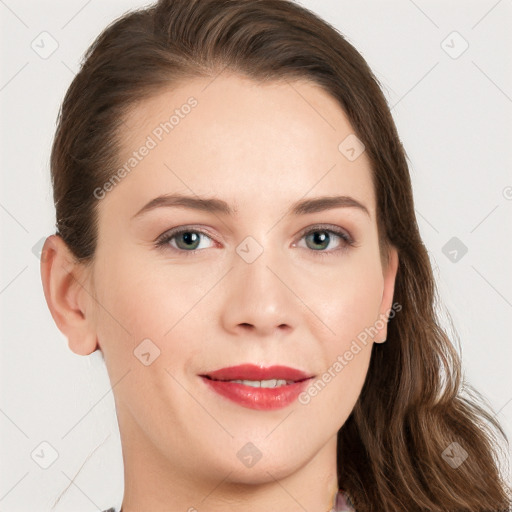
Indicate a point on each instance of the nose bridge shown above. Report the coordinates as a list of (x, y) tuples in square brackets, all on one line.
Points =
[(258, 295), (256, 265)]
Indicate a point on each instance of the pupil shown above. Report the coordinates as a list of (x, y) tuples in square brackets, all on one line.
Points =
[(320, 237), (189, 237)]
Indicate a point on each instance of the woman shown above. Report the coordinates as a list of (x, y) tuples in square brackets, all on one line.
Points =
[(236, 234)]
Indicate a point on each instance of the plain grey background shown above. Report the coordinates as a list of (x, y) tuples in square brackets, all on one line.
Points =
[(445, 69)]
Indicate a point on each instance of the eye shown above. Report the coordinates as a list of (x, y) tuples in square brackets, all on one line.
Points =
[(318, 238), (182, 239)]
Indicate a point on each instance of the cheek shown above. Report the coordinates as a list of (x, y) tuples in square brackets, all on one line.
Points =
[(350, 312), (137, 298), (139, 301), (347, 296), (349, 306)]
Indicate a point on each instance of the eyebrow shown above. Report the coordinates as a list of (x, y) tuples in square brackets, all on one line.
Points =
[(214, 205)]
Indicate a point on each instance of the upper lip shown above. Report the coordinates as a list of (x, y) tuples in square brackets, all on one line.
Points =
[(254, 372)]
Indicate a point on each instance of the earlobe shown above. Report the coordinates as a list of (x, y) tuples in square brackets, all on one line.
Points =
[(70, 303), (389, 274)]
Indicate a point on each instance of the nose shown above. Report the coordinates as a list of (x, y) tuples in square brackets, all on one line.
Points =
[(259, 297)]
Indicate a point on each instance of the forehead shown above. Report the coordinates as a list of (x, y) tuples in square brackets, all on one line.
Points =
[(243, 141)]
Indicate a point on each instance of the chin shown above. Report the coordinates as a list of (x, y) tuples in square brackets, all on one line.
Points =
[(264, 474), (262, 468)]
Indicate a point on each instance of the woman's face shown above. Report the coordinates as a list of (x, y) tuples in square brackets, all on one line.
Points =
[(254, 280)]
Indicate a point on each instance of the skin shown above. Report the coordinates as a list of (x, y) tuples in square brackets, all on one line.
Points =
[(260, 148)]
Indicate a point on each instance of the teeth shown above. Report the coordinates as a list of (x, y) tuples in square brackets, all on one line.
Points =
[(272, 383)]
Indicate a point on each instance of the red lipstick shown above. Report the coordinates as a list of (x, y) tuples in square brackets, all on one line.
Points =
[(280, 387)]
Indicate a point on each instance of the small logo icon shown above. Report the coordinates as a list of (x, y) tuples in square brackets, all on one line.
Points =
[(351, 147), (249, 249), (146, 352), (44, 45), (44, 454), (454, 249), (507, 193), (249, 455), (455, 455), (37, 249), (454, 45)]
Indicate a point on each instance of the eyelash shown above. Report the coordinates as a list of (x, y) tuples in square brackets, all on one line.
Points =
[(163, 240)]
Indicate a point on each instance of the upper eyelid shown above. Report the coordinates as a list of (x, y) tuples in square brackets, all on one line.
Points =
[(325, 227)]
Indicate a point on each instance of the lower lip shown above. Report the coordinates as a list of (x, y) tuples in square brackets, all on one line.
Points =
[(258, 398)]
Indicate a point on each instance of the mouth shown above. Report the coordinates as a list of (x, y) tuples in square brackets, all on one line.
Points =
[(257, 387), (266, 383), (253, 373)]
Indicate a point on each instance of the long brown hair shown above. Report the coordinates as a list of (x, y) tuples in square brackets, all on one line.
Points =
[(414, 409)]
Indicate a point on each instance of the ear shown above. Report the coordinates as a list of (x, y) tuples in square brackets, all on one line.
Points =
[(389, 274), (66, 291)]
